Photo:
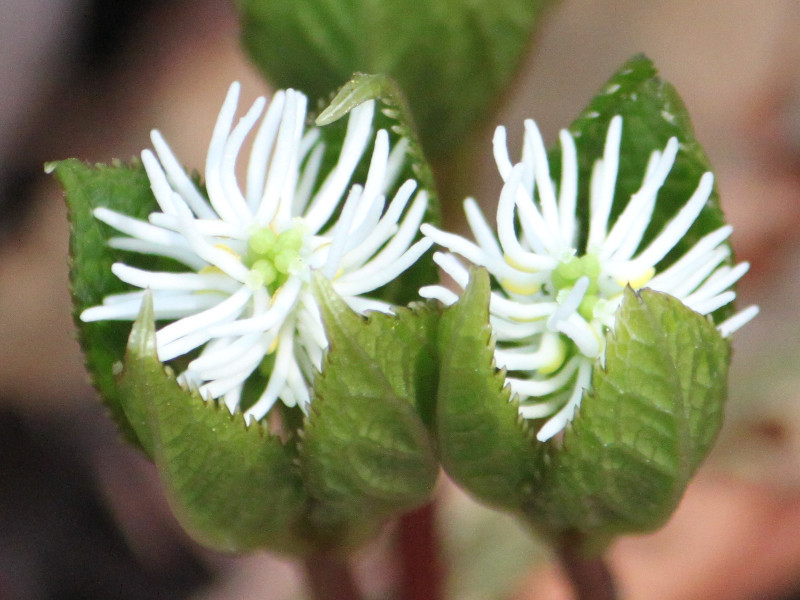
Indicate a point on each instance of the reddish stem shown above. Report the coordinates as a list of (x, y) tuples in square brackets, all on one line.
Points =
[(589, 575), (422, 573), (330, 579)]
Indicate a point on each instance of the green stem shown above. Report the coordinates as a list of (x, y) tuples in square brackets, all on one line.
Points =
[(589, 575), (330, 578)]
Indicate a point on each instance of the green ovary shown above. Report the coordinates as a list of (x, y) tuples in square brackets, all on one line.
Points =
[(271, 255)]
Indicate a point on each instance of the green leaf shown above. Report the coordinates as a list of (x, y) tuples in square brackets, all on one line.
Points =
[(125, 189), (232, 487), (650, 420), (366, 452), (652, 113), (454, 58), (484, 445)]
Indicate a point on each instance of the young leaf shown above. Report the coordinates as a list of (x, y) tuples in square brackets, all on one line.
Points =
[(483, 443), (232, 487), (453, 58), (654, 411), (366, 451)]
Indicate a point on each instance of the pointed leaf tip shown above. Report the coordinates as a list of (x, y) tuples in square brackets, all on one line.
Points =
[(233, 488), (142, 340), (483, 444), (361, 88)]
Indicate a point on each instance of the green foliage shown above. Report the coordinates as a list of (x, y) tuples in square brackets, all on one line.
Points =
[(651, 418), (453, 58), (125, 189), (365, 456), (232, 487), (653, 413), (366, 452), (484, 445)]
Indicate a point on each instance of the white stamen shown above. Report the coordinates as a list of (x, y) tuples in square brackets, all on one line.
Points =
[(480, 229), (570, 303), (506, 231), (183, 255), (178, 178), (709, 305), (547, 195), (262, 148), (501, 153), (568, 194), (517, 359), (679, 225), (227, 168), (379, 279), (437, 292), (734, 323), (603, 193), (385, 228), (173, 281), (226, 310), (468, 250), (564, 416), (399, 243), (283, 359), (530, 387)]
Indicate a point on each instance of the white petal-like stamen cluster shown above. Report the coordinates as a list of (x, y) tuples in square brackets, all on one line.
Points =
[(555, 300), (245, 300)]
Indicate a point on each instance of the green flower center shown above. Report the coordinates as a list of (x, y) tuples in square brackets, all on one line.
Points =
[(270, 255), (567, 273)]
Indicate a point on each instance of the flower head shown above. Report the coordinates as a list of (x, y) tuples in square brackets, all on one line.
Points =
[(555, 299), (244, 300)]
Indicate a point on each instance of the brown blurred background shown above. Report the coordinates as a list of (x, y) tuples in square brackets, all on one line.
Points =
[(82, 516)]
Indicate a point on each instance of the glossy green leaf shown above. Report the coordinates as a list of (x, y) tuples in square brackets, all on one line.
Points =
[(453, 58), (366, 452), (232, 487), (651, 418), (86, 187), (484, 445), (652, 113)]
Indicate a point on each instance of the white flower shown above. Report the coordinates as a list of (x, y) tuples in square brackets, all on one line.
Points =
[(556, 300), (245, 299)]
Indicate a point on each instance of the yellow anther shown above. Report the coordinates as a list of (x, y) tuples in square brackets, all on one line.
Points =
[(519, 267), (211, 270), (522, 289), (640, 281), (559, 356), (228, 249)]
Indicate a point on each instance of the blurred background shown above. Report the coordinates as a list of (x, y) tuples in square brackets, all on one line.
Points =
[(82, 516)]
